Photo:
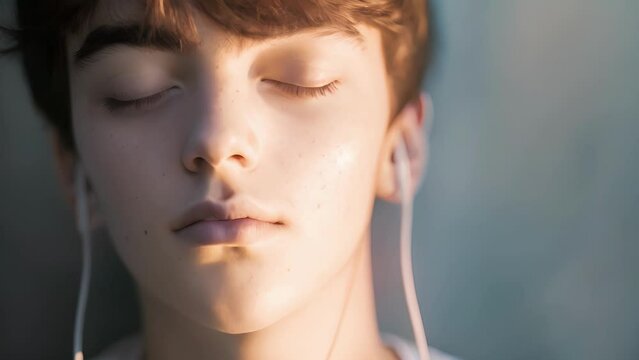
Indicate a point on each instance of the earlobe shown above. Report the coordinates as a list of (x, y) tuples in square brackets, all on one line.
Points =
[(409, 127), (65, 163), (386, 189)]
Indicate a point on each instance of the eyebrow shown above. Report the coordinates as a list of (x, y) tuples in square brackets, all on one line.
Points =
[(106, 36)]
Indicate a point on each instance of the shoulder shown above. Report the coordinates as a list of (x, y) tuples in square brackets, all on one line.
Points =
[(408, 351), (127, 348)]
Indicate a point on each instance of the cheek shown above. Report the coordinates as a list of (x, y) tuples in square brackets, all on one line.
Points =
[(127, 165), (135, 170), (332, 198)]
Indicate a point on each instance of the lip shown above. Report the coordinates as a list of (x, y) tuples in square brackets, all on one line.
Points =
[(238, 231), (239, 222)]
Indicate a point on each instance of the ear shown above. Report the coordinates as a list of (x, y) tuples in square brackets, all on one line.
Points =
[(409, 125), (65, 161)]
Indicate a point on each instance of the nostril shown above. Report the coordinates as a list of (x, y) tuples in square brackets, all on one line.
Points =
[(239, 158)]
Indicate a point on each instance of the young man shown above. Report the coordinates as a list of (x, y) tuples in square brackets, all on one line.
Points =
[(234, 150)]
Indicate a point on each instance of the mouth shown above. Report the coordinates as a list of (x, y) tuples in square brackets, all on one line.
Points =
[(241, 231), (238, 222)]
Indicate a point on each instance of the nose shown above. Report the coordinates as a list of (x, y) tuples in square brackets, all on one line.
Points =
[(222, 136)]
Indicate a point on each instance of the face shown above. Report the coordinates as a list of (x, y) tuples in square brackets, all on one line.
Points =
[(287, 130)]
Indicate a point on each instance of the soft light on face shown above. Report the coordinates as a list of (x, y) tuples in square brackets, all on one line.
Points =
[(294, 124)]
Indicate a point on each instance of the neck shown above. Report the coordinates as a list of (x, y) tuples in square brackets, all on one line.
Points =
[(338, 323)]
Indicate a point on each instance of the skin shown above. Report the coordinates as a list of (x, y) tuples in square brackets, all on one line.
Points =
[(316, 163)]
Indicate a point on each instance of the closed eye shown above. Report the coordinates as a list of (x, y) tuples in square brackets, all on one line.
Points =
[(303, 91), (113, 104)]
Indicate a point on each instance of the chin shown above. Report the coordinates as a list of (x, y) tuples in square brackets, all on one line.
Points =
[(249, 311), (244, 317)]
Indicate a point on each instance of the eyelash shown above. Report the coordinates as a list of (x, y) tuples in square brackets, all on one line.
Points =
[(114, 105), (305, 92)]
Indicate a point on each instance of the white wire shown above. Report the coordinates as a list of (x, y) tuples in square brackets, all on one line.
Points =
[(408, 281), (85, 235)]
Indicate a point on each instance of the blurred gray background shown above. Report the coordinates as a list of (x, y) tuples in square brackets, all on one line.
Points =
[(526, 234)]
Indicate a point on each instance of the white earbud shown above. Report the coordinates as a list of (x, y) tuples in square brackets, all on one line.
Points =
[(82, 221), (408, 282)]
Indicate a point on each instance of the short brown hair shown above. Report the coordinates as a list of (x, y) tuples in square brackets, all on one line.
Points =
[(404, 24)]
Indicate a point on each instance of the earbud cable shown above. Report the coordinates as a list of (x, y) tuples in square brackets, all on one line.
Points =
[(85, 234), (406, 263), (405, 260)]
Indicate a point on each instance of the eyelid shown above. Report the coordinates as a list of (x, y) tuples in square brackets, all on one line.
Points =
[(113, 104), (304, 91)]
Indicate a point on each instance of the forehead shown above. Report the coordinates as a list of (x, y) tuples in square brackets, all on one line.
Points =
[(237, 26)]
